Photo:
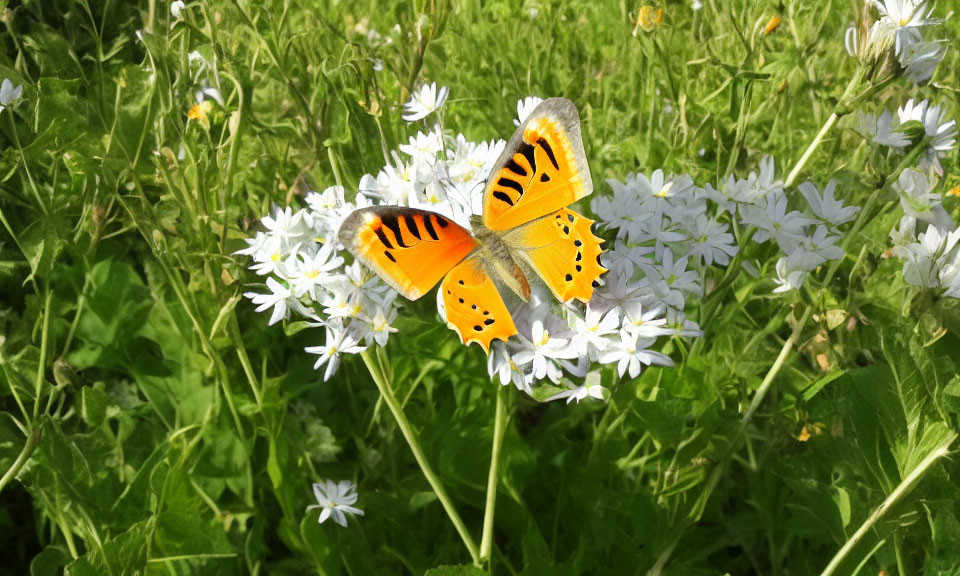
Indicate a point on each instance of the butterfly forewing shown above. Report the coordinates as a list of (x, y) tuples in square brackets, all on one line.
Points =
[(542, 168), (410, 249)]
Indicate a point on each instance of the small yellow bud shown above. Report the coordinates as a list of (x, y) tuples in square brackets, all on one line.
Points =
[(772, 25)]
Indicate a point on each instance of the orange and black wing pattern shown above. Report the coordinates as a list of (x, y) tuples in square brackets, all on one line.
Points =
[(474, 307), (410, 249), (563, 251), (541, 170)]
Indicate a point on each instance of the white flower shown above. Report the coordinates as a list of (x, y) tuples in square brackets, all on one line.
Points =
[(579, 393), (631, 354), (906, 232), (789, 277), (921, 266), (177, 7), (424, 147), (9, 93), (424, 102), (525, 107), (918, 199), (593, 329), (339, 341), (825, 207), (308, 273), (942, 135), (336, 500), (469, 162), (279, 299), (711, 242), (645, 323), (675, 273), (766, 181), (696, 5), (288, 226), (880, 130), (775, 222), (732, 192), (904, 18), (541, 350), (207, 92), (820, 247), (380, 328), (921, 59)]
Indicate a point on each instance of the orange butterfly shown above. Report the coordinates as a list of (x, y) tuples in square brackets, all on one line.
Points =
[(524, 226)]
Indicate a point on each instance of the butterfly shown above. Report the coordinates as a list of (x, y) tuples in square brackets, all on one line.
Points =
[(525, 228)]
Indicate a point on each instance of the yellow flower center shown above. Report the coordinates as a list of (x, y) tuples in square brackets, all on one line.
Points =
[(665, 190), (312, 274), (275, 256), (544, 339)]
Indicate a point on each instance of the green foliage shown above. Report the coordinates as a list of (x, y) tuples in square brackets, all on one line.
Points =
[(152, 423)]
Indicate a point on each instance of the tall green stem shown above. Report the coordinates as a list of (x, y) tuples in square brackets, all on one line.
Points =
[(386, 392), (33, 438), (840, 110), (499, 429), (758, 398), (899, 492)]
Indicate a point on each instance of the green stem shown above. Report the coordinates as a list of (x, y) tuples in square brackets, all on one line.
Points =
[(499, 429), (386, 392), (841, 109), (41, 367), (26, 166), (758, 398), (33, 439), (899, 492)]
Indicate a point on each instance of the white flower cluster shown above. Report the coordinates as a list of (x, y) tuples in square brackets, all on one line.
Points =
[(306, 275), (927, 239), (887, 131), (669, 231), (900, 27)]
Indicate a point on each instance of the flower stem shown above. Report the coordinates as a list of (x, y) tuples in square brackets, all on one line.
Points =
[(499, 429), (840, 110), (758, 398), (33, 438), (899, 492), (386, 392)]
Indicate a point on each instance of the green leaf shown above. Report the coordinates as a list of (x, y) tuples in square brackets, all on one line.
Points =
[(124, 554), (50, 561)]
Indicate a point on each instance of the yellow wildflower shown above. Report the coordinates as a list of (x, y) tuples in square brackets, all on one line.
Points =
[(199, 112), (648, 18)]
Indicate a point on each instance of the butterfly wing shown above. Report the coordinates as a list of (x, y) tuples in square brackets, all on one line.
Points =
[(542, 169), (563, 251), (473, 306), (410, 249)]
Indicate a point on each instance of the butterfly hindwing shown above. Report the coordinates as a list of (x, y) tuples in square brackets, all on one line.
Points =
[(542, 168), (473, 305), (410, 249), (563, 251)]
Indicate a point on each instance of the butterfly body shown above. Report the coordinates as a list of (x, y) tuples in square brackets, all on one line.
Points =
[(525, 231)]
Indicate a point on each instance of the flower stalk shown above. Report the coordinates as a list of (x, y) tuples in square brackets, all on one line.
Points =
[(386, 392), (499, 429), (842, 109), (890, 501)]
